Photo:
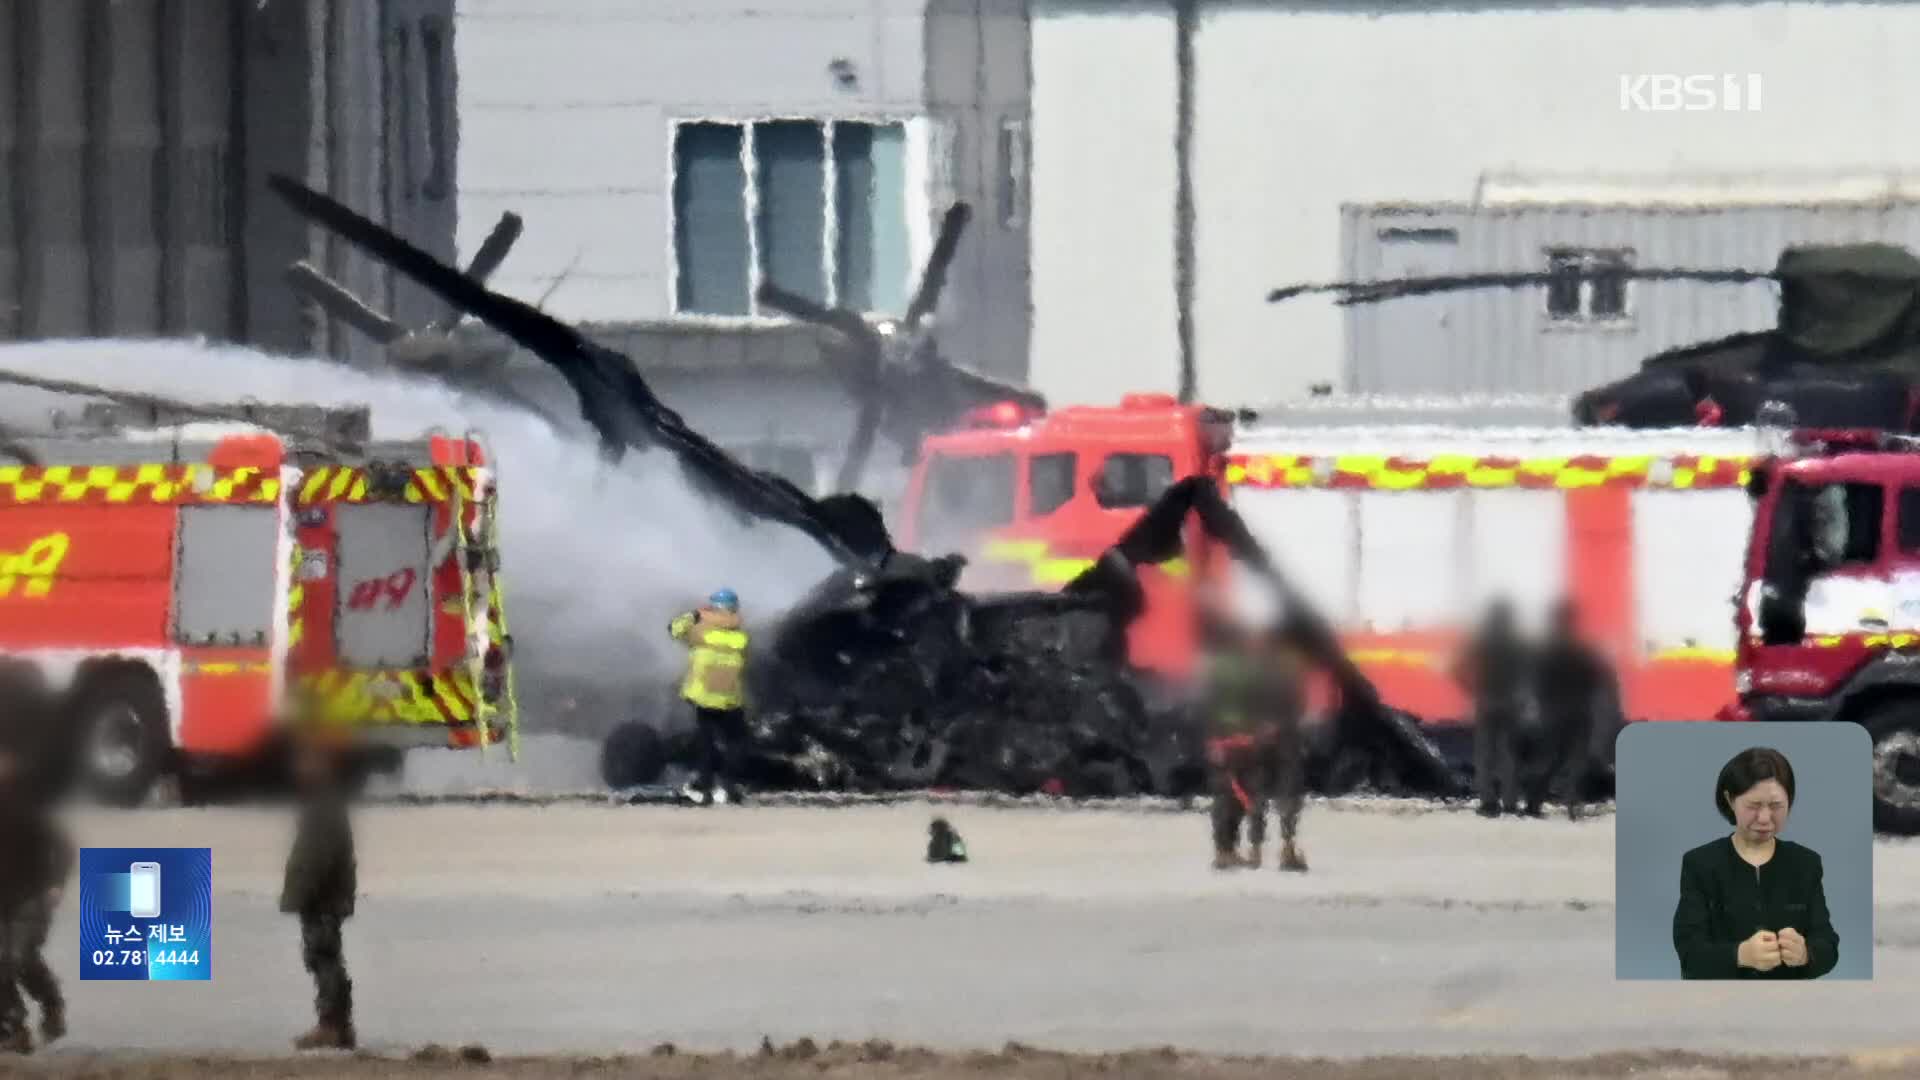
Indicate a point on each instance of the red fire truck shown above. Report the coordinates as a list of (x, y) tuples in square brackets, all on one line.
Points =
[(173, 584), (1392, 530), (1829, 612)]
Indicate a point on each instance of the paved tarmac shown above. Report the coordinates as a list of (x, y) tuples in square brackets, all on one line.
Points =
[(600, 929)]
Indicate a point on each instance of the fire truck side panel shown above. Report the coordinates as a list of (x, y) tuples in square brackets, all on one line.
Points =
[(1294, 526), (1516, 545), (85, 577), (1600, 561), (449, 634), (229, 604), (381, 608), (228, 701), (1640, 528), (227, 575), (1410, 559), (311, 606), (1689, 547), (387, 637)]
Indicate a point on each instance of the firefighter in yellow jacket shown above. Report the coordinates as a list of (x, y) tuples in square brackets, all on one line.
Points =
[(715, 685)]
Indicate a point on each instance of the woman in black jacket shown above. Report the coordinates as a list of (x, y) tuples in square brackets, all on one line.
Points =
[(1751, 904)]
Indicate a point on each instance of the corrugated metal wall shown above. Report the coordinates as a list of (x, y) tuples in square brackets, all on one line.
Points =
[(1504, 340), (136, 137), (388, 90), (116, 121)]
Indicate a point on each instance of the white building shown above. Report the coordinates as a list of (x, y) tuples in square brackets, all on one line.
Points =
[(1302, 109), (669, 155)]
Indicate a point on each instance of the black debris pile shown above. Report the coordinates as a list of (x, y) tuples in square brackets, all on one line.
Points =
[(938, 710), (887, 676), (903, 683), (944, 844)]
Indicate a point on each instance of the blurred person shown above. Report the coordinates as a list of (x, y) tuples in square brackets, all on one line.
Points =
[(36, 855), (1570, 683), (1753, 905), (1238, 763), (1493, 671), (321, 882), (715, 685), (1282, 707)]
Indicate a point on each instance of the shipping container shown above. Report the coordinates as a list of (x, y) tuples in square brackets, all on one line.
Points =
[(1563, 340)]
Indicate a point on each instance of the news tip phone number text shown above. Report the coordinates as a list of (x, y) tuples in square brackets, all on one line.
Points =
[(138, 957)]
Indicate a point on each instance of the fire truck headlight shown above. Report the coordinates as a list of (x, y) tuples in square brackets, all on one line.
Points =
[(1742, 682)]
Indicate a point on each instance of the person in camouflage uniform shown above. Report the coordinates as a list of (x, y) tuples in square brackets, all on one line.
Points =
[(1281, 705), (1238, 767), (320, 883), (36, 857)]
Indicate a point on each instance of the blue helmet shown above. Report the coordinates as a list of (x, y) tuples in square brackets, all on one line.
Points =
[(724, 600)]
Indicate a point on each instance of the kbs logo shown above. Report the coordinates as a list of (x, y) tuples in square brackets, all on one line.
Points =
[(366, 595), (32, 570), (1689, 93)]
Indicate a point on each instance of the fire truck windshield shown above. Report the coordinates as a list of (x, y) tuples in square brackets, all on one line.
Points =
[(964, 496)]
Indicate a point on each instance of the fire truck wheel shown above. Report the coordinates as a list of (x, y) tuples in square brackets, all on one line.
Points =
[(1894, 726), (121, 714)]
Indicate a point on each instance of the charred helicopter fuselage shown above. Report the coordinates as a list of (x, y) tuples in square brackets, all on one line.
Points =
[(886, 675)]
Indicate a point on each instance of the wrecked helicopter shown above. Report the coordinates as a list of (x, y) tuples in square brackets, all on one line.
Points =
[(887, 675)]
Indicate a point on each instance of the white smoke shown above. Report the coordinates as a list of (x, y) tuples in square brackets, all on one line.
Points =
[(595, 560)]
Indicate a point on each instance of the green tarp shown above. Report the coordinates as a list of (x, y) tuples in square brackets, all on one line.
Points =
[(1849, 301)]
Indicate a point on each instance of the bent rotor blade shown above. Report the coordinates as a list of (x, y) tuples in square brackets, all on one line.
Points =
[(613, 397), (933, 280), (806, 310), (336, 301), (493, 251), (1368, 292), (861, 446), (857, 364)]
